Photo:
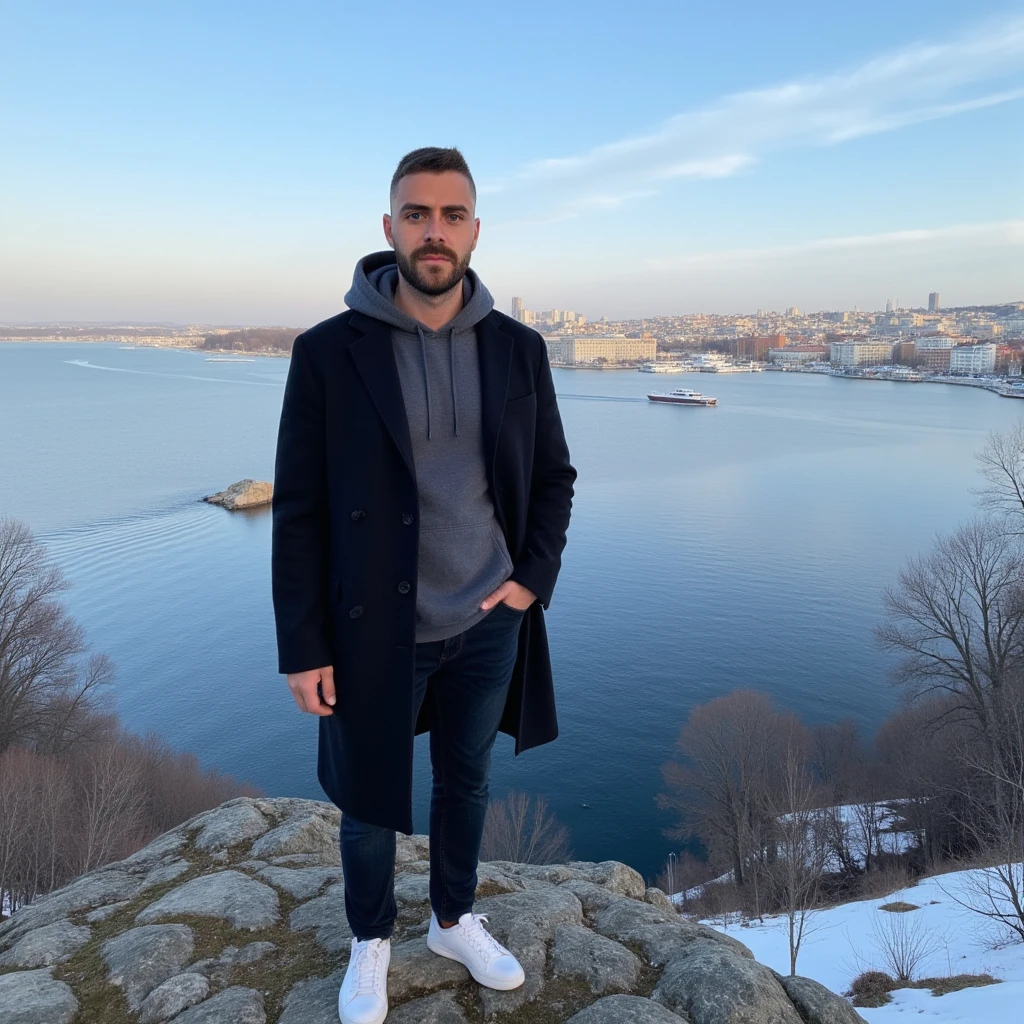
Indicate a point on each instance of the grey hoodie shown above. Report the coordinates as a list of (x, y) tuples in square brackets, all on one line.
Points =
[(462, 551)]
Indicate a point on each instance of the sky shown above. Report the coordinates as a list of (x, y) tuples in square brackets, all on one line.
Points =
[(228, 162)]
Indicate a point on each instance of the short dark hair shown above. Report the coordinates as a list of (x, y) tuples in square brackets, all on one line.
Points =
[(434, 160)]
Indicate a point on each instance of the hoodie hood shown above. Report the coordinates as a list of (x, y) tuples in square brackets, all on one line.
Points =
[(373, 293)]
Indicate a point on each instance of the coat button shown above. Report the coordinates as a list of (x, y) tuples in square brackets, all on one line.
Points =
[(354, 613), (357, 514), (403, 587), (407, 519)]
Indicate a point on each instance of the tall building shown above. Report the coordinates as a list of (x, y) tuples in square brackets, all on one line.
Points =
[(933, 302), (793, 311), (517, 307), (892, 305)]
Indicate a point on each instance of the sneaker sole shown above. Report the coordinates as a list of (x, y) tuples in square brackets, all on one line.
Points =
[(375, 1020), (500, 986)]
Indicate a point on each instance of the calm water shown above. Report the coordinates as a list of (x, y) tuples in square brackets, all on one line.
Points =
[(709, 549)]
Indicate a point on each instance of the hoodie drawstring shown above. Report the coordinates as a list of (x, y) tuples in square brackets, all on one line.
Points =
[(455, 403), (426, 376)]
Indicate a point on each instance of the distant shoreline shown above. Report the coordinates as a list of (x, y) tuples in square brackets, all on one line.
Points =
[(146, 344)]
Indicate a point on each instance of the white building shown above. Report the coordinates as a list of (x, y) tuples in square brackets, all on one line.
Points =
[(972, 359), (791, 355), (860, 353), (587, 349)]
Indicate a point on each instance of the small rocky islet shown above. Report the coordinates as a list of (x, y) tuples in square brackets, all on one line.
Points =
[(237, 917), (245, 493)]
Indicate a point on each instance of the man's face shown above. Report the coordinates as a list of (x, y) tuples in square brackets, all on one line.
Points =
[(432, 230)]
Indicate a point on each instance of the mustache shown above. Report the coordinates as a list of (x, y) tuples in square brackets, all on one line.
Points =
[(434, 250)]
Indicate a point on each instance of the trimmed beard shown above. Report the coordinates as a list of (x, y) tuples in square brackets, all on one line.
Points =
[(427, 285)]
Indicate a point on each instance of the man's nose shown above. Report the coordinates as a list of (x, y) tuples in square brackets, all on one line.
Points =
[(435, 230)]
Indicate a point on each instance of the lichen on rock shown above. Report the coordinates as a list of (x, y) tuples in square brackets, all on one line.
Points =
[(237, 917)]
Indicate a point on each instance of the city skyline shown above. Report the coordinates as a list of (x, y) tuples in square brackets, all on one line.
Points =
[(230, 165)]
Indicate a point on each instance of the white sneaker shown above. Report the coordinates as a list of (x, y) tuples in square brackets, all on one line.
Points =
[(471, 944), (363, 998)]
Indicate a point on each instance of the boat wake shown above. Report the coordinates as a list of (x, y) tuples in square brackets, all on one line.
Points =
[(182, 376)]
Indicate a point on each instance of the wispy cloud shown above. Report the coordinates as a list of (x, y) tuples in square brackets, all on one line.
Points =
[(1005, 233), (921, 82)]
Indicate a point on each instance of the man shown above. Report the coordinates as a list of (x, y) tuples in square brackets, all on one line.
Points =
[(421, 499)]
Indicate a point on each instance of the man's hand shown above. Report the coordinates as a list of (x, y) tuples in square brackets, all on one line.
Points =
[(304, 689), (515, 595)]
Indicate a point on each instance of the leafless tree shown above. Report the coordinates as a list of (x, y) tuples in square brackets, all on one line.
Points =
[(956, 616), (793, 801), (904, 942), (111, 801), (686, 877), (522, 828), (917, 753), (993, 815), (15, 825), (840, 756), (1001, 463), (717, 784), (46, 682), (727, 749)]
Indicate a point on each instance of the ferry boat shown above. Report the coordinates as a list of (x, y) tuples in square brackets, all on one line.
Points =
[(682, 396)]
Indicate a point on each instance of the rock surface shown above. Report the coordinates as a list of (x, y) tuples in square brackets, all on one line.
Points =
[(238, 917), (33, 997), (243, 494)]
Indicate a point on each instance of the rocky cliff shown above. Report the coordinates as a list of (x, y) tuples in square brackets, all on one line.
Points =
[(237, 917)]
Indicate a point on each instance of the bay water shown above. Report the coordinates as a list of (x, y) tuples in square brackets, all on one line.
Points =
[(745, 545)]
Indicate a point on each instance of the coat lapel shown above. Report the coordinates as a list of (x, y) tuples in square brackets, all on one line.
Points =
[(494, 348), (374, 357)]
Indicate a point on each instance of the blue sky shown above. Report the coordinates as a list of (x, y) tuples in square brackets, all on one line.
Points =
[(228, 162)]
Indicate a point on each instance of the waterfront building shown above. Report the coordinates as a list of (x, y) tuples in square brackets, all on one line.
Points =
[(933, 351), (794, 355), (860, 353), (573, 350), (904, 353), (973, 358), (755, 348)]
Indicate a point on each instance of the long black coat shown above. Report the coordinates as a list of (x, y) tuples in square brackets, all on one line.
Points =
[(346, 537)]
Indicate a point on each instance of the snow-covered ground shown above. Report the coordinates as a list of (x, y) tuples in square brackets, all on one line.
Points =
[(844, 942)]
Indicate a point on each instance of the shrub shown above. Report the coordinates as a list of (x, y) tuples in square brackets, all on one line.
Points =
[(872, 988)]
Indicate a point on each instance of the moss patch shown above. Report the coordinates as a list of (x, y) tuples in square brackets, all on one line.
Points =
[(899, 907), (296, 958), (492, 888)]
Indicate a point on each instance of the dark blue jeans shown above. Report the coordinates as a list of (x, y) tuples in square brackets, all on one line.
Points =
[(468, 675)]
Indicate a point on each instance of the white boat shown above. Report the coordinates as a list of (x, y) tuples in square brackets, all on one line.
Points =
[(661, 368), (228, 359), (723, 367), (682, 396)]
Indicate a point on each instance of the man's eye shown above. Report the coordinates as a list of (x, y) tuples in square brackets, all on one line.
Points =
[(411, 215)]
